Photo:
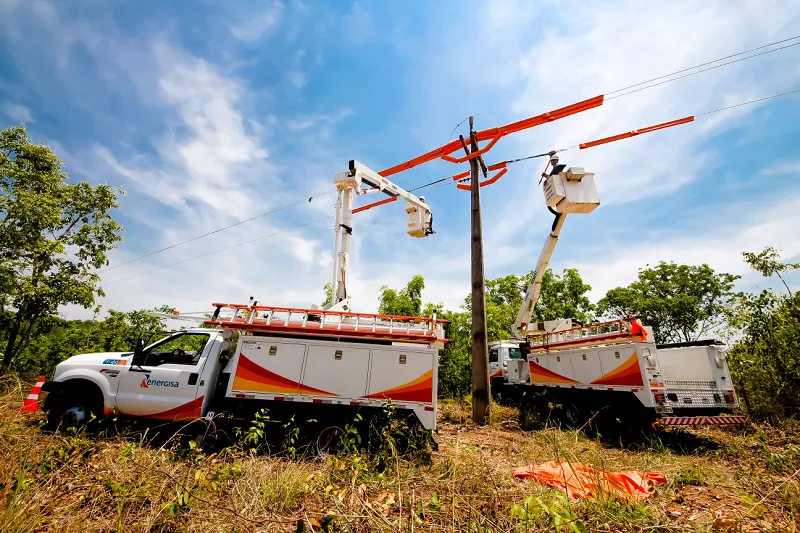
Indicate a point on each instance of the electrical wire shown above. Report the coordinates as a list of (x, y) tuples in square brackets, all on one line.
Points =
[(264, 214), (704, 64), (511, 161), (286, 230), (647, 85), (697, 72), (747, 103)]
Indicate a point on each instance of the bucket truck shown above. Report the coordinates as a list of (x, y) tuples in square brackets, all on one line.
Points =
[(319, 365), (612, 369)]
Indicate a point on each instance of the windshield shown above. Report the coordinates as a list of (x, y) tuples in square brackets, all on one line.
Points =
[(515, 353), (183, 349)]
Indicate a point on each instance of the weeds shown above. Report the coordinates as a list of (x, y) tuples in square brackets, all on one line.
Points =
[(552, 511), (255, 435), (75, 482)]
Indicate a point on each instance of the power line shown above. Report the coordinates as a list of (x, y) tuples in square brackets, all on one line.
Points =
[(286, 230), (693, 73), (264, 214), (704, 64), (510, 161), (748, 102), (622, 90)]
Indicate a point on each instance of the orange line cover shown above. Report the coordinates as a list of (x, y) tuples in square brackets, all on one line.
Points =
[(585, 481), (495, 134), (634, 133)]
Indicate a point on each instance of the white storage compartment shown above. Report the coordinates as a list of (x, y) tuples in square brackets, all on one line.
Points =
[(338, 369), (268, 366)]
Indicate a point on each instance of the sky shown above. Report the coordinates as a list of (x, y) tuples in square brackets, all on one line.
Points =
[(208, 112)]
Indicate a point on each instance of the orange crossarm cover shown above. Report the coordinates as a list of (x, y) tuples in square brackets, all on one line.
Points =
[(634, 133), (497, 166), (495, 134)]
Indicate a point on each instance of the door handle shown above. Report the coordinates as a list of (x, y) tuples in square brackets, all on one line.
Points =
[(193, 378)]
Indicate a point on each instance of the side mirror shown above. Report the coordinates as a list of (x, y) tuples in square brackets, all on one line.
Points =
[(138, 353)]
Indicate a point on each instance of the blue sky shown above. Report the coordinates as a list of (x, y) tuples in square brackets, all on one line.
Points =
[(211, 112)]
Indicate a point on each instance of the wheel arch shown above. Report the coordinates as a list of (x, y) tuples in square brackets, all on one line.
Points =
[(88, 384)]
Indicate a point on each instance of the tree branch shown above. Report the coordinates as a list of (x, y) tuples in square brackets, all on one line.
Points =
[(72, 225)]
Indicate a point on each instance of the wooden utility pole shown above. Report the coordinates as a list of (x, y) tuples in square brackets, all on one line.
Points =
[(481, 399)]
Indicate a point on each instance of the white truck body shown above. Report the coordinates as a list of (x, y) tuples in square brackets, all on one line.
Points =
[(612, 365), (180, 384)]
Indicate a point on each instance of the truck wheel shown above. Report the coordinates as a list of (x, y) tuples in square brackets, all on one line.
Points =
[(74, 408), (499, 392), (74, 412), (572, 415), (328, 440)]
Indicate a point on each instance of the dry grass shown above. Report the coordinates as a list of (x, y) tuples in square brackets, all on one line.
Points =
[(719, 481)]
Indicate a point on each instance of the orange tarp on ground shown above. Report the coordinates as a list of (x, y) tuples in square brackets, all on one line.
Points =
[(586, 481)]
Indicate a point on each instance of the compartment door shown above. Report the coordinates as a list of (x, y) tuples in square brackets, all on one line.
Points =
[(620, 366), (335, 370), (402, 376), (586, 365), (269, 366)]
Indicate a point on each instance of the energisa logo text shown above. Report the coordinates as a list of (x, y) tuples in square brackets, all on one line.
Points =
[(147, 383)]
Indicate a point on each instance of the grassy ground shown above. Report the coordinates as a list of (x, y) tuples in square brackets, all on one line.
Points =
[(719, 480)]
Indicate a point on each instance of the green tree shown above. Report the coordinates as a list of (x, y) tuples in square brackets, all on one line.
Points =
[(54, 235), (765, 359), (405, 302), (328, 294), (561, 296), (768, 262), (455, 371), (55, 339), (680, 302)]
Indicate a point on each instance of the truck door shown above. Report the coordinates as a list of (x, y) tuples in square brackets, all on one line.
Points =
[(165, 385), (495, 364)]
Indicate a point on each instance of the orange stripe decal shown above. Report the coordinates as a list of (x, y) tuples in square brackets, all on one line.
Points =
[(418, 390), (250, 376), (628, 373), (541, 374), (182, 412)]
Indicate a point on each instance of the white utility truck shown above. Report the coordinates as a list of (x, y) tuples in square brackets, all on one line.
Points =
[(322, 364), (612, 369)]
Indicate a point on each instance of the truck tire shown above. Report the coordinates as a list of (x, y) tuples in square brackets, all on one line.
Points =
[(573, 415), (75, 406), (329, 440), (498, 389)]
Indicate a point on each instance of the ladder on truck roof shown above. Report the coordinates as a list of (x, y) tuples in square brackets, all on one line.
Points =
[(283, 320), (613, 332)]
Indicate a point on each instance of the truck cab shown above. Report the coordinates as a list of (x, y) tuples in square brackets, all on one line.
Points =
[(500, 354), (172, 378)]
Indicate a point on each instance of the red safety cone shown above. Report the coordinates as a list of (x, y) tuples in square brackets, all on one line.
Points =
[(31, 403)]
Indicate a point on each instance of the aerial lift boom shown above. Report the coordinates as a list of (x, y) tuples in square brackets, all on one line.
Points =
[(570, 191), (418, 219)]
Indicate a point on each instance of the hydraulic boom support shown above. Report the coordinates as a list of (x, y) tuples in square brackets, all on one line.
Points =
[(570, 191), (419, 220)]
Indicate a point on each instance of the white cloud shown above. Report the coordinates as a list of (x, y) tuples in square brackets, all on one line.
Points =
[(208, 157), (719, 241), (18, 112), (782, 168), (586, 51), (305, 122), (257, 26), (298, 78)]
